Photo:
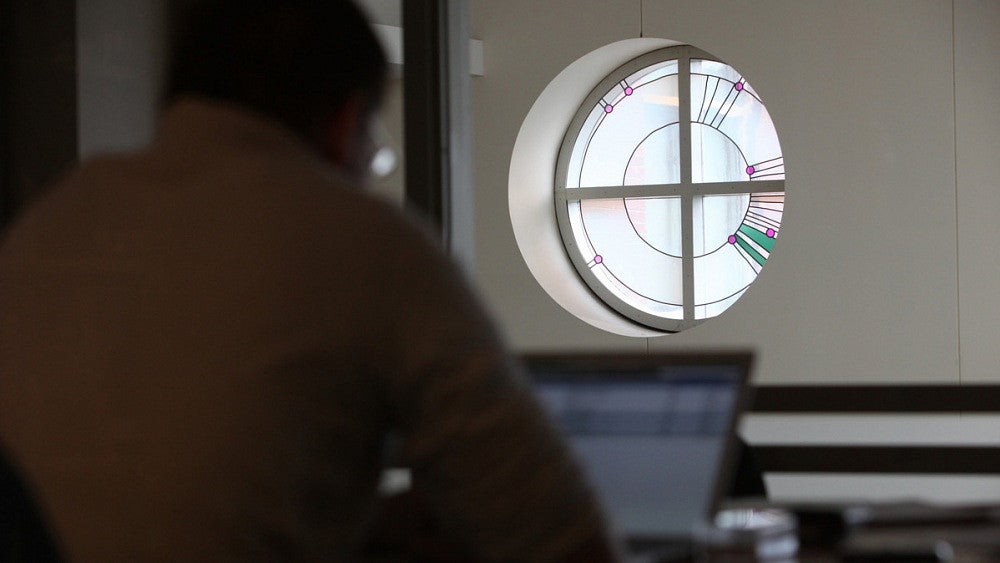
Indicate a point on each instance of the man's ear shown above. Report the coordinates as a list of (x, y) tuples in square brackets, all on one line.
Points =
[(341, 135)]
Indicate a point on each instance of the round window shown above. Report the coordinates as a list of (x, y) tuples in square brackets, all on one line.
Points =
[(669, 188)]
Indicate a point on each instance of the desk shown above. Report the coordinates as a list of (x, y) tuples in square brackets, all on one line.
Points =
[(887, 532)]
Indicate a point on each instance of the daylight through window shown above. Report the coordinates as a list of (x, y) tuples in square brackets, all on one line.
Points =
[(670, 188)]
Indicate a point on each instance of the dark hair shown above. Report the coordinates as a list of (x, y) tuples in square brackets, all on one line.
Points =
[(294, 60)]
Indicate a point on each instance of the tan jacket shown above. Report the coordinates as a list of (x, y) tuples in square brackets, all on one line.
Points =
[(203, 346)]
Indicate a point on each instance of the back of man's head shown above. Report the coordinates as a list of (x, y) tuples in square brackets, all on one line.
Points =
[(294, 60)]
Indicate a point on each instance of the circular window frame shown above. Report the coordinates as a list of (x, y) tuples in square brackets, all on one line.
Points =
[(683, 54)]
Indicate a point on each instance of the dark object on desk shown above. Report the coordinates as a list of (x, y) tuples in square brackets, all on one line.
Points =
[(920, 532), (405, 529), (916, 556), (24, 537), (748, 479), (820, 527)]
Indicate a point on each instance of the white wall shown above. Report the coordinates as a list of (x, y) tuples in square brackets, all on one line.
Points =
[(977, 153), (885, 115)]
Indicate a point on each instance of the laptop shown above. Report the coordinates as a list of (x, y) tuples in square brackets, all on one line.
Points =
[(655, 433)]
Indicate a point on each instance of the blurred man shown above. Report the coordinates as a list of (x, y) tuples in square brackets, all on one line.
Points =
[(204, 345)]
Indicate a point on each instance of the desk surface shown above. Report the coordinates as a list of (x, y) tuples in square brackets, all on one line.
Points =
[(888, 532)]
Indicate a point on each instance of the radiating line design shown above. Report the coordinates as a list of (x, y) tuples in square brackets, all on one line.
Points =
[(771, 168), (755, 236)]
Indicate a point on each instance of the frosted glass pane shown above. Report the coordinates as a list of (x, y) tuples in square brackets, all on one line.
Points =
[(723, 101), (750, 126), (715, 219), (642, 303), (714, 68), (650, 163), (627, 122), (637, 265), (721, 274), (714, 157), (651, 73), (584, 248), (580, 146), (658, 222), (637, 81)]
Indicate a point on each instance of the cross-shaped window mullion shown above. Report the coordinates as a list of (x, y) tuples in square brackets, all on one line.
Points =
[(687, 200), (671, 190)]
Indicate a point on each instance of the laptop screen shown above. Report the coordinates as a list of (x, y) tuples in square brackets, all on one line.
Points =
[(651, 431)]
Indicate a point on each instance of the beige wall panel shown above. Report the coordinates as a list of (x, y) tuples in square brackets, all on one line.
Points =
[(977, 84)]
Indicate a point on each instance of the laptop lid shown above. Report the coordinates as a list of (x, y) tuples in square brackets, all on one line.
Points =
[(654, 432)]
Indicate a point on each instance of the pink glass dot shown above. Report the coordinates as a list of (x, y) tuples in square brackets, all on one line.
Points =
[(732, 239), (770, 233), (739, 86), (598, 259), (750, 170), (628, 91), (608, 108)]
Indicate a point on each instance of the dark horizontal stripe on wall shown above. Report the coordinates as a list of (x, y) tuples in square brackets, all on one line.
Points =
[(879, 459), (876, 399)]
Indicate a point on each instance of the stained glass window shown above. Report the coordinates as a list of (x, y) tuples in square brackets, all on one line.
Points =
[(670, 188)]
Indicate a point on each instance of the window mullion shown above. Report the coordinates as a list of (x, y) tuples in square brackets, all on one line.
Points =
[(687, 201), (670, 190)]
